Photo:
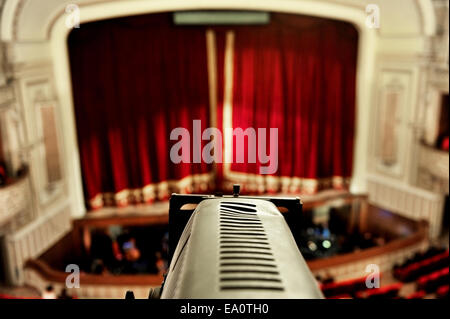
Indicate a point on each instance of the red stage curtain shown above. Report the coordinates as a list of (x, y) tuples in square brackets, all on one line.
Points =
[(298, 75), (134, 80)]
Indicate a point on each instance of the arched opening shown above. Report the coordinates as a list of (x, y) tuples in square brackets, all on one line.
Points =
[(300, 71), (63, 84)]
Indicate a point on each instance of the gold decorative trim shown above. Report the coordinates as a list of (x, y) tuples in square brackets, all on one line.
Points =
[(228, 100), (156, 191), (212, 75), (211, 53), (255, 183)]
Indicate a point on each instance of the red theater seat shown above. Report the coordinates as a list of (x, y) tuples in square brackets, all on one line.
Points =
[(344, 287), (433, 281), (417, 295), (442, 292), (343, 296), (390, 291), (421, 268)]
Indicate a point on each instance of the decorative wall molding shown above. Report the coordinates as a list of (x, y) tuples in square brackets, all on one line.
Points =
[(37, 95), (11, 130), (16, 17), (14, 198), (408, 201), (440, 41), (394, 115), (433, 169), (6, 96)]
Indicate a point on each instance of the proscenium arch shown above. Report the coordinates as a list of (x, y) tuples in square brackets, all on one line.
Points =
[(428, 17), (100, 11), (56, 34), (28, 21)]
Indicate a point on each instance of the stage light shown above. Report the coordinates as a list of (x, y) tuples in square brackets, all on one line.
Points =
[(312, 246), (326, 244)]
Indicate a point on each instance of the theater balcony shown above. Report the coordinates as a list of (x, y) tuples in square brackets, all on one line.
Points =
[(340, 234)]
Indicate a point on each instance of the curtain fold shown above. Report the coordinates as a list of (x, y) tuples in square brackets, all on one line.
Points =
[(134, 80), (298, 75)]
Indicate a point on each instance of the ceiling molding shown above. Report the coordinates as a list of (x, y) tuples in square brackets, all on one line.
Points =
[(31, 20), (427, 16)]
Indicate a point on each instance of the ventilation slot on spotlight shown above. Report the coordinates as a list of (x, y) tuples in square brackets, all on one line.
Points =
[(236, 203), (238, 208), (246, 258)]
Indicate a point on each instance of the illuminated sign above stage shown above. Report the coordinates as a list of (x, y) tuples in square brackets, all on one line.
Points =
[(220, 17)]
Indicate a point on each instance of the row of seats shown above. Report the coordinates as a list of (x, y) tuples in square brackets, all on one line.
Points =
[(430, 283), (344, 288), (392, 292), (417, 269), (420, 294), (386, 292), (419, 256), (357, 288), (443, 292)]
